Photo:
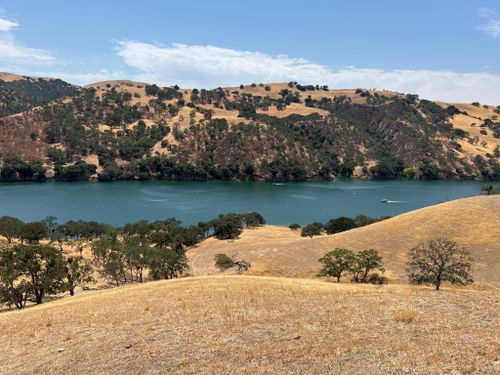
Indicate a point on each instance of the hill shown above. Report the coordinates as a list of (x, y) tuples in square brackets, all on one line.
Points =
[(242, 325), (278, 251), (129, 130)]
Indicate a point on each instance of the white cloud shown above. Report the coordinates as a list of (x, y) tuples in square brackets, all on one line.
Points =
[(193, 65), (13, 54), (6, 25), (491, 26), (210, 66), (486, 13), (85, 78)]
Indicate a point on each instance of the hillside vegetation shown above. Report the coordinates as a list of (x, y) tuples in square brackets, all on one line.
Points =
[(128, 130), (256, 325), (278, 251)]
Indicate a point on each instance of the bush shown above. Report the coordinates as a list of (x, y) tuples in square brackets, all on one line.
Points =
[(223, 262), (339, 224), (313, 229), (375, 278), (253, 219), (294, 226)]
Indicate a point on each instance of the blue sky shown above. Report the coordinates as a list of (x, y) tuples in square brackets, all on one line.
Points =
[(444, 49)]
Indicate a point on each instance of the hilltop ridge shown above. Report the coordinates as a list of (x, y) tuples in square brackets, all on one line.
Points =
[(282, 131)]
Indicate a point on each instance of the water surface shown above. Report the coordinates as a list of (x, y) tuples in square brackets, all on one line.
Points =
[(281, 203)]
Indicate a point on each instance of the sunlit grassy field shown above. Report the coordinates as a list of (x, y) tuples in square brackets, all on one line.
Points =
[(248, 325)]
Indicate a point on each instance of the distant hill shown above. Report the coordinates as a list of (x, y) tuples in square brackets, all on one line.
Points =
[(130, 130), (19, 94), (278, 251)]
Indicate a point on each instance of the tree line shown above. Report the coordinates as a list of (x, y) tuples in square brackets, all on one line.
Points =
[(335, 225), (33, 264)]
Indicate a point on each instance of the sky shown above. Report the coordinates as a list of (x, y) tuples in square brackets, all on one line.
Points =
[(442, 50)]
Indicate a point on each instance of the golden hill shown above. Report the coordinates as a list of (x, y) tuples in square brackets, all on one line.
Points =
[(256, 325), (485, 143), (277, 251)]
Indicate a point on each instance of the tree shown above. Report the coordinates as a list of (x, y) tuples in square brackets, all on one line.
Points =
[(227, 226), (31, 272), (78, 273), (167, 264), (313, 229), (294, 226), (33, 232), (10, 227), (366, 261), (336, 262), (253, 219), (114, 267), (14, 288), (51, 224), (437, 261), (137, 258), (223, 262), (339, 224)]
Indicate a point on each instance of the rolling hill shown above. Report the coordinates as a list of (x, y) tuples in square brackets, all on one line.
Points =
[(256, 325), (277, 251), (129, 130)]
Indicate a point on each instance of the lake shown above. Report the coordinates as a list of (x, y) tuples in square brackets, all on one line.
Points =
[(280, 203)]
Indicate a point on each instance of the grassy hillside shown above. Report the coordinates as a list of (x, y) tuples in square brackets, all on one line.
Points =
[(278, 251), (131, 130), (249, 325)]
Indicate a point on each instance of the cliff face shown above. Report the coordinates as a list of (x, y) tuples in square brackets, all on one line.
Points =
[(133, 130)]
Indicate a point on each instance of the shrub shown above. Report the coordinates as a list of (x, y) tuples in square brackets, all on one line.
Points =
[(253, 219), (294, 226), (339, 224), (223, 262), (313, 229), (375, 278)]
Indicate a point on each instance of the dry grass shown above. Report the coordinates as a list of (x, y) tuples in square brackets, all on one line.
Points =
[(256, 325), (406, 314), (278, 251)]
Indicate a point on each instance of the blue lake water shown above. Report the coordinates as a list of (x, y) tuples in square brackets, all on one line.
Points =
[(281, 203)]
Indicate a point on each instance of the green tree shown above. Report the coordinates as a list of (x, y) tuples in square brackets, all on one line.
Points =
[(339, 224), (227, 226), (33, 232), (137, 257), (33, 271), (337, 262), (253, 219), (114, 267), (366, 261), (167, 264), (437, 261), (10, 227), (313, 229), (78, 273)]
